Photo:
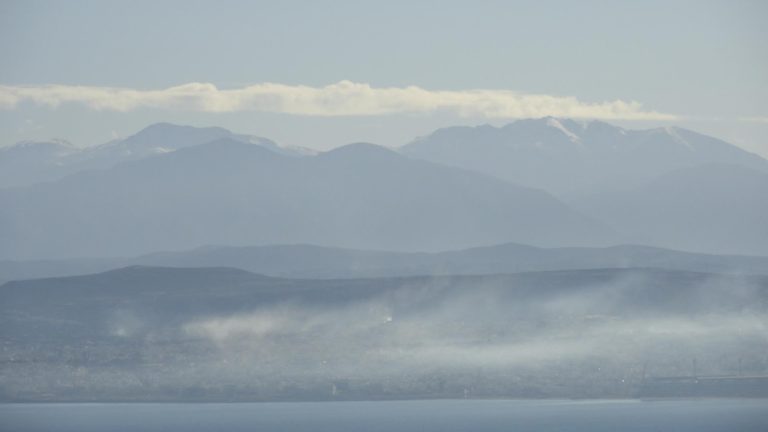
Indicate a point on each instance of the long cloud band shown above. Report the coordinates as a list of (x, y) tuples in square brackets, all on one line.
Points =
[(344, 98)]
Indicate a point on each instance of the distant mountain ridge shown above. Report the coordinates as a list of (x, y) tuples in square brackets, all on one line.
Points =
[(174, 187), (716, 207), (572, 158), (308, 261), (229, 192), (32, 162), (667, 187)]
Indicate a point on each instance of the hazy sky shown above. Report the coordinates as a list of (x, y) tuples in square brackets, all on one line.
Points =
[(322, 74)]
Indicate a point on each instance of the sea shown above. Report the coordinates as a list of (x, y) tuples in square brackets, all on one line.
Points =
[(701, 415)]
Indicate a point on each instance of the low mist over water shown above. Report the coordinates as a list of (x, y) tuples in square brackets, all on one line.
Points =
[(206, 334)]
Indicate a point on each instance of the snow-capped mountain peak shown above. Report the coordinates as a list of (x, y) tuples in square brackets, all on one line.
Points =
[(557, 124), (31, 162), (540, 153)]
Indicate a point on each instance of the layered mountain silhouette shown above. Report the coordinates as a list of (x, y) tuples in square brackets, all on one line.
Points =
[(32, 162), (334, 280), (174, 187), (308, 261), (717, 207), (572, 158), (231, 192)]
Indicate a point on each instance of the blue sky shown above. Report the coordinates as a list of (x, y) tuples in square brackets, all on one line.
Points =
[(698, 64)]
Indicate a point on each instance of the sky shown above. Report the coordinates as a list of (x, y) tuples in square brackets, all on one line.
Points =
[(324, 74)]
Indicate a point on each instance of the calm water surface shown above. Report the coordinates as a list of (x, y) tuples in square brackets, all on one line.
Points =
[(422, 416)]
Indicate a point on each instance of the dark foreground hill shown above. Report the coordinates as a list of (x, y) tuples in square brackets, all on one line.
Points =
[(144, 333)]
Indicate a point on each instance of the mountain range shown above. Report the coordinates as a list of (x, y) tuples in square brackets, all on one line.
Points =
[(31, 162), (715, 207), (307, 261), (366, 272), (543, 182), (229, 192), (572, 158)]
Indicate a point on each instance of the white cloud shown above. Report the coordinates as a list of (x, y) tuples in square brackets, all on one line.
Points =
[(344, 98)]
